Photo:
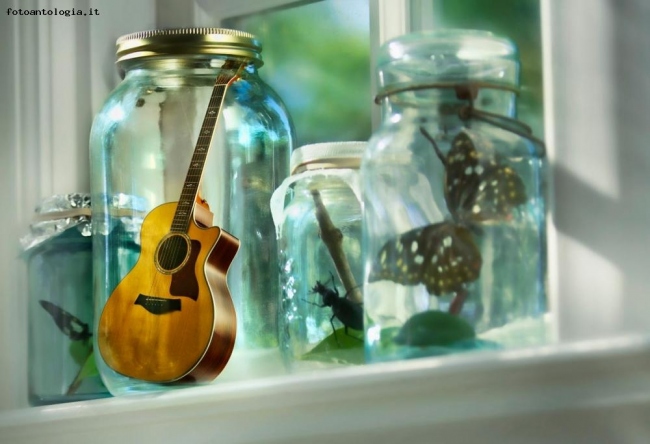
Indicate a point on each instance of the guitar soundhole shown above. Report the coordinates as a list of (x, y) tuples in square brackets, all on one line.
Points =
[(172, 253)]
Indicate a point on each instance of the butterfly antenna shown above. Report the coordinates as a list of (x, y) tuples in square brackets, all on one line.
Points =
[(426, 134)]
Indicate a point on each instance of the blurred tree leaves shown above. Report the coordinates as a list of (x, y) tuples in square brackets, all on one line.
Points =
[(317, 57)]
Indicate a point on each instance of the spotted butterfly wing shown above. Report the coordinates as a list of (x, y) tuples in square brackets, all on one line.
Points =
[(443, 257), (479, 187)]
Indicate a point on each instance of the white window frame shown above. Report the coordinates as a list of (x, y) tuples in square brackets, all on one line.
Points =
[(584, 307), (211, 12), (588, 292)]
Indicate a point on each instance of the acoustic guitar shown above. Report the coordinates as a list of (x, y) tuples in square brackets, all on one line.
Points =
[(172, 318)]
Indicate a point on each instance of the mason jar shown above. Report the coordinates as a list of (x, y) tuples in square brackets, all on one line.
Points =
[(317, 213), (58, 252), (453, 195), (191, 123)]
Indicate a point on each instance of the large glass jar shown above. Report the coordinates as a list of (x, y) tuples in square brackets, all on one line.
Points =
[(142, 142), (318, 221), (454, 213)]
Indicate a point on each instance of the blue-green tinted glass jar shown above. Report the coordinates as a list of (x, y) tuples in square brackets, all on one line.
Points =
[(142, 141), (318, 221), (454, 213), (58, 252)]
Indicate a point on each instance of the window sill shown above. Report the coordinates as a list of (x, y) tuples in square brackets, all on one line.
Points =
[(596, 391)]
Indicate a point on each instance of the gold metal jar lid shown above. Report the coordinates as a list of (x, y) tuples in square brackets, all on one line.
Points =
[(188, 42)]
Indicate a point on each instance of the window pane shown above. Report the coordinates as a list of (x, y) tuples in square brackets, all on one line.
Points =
[(518, 20), (317, 57)]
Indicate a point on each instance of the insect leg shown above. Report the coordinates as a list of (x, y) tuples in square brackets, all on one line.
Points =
[(334, 330), (314, 303)]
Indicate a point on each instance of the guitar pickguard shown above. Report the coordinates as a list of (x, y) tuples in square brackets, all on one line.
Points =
[(184, 283)]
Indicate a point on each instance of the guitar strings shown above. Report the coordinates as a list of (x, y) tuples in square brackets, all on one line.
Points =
[(216, 100)]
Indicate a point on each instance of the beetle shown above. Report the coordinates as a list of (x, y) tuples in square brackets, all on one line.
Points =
[(349, 313)]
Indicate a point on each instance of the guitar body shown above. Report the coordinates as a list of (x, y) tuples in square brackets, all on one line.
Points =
[(172, 317)]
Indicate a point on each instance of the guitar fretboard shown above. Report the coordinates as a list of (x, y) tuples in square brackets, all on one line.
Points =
[(187, 199)]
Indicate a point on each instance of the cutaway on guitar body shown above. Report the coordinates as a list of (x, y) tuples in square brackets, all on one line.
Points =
[(172, 317)]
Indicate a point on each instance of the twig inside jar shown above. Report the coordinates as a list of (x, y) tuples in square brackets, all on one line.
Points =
[(333, 239)]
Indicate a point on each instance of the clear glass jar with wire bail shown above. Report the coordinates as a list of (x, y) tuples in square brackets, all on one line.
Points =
[(317, 213), (191, 123), (453, 195)]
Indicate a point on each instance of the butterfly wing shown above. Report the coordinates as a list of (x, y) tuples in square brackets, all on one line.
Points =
[(461, 179), (70, 325), (398, 260), (499, 191), (442, 256), (479, 186), (453, 259)]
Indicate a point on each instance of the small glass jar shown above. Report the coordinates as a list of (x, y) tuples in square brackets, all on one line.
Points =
[(142, 142), (317, 213), (454, 213), (58, 252)]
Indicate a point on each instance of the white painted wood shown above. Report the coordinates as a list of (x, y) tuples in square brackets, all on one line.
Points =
[(600, 103), (65, 104), (594, 392), (424, 14), (39, 97), (12, 306), (552, 264), (57, 72), (134, 16), (175, 14), (212, 13), (598, 100), (388, 19)]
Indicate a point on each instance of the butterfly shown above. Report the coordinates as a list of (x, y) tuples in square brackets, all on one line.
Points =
[(70, 325), (479, 188), (441, 256)]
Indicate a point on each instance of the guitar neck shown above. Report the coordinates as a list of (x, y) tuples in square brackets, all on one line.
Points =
[(192, 182)]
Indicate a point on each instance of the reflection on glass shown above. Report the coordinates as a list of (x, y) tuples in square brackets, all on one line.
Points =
[(518, 20)]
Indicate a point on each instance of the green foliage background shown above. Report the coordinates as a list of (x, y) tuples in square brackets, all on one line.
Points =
[(318, 58)]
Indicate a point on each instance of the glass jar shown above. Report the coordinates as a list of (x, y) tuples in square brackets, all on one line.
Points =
[(58, 252), (144, 143), (317, 213), (454, 213)]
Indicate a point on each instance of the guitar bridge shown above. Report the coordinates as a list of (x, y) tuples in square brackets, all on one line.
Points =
[(158, 305)]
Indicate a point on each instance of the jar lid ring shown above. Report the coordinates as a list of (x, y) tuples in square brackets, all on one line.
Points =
[(464, 90), (188, 43), (504, 122)]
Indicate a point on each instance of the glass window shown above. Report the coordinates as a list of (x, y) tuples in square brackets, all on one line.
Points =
[(317, 57), (518, 20)]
